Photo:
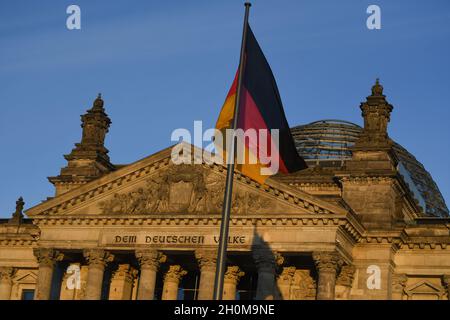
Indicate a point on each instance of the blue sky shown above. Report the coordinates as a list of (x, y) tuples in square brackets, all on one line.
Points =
[(162, 65)]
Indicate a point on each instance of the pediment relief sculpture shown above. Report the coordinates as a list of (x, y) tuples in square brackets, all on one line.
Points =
[(184, 188)]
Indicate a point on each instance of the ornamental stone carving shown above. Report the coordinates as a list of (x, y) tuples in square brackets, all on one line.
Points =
[(174, 274), (376, 112), (6, 273), (303, 286), (287, 275), (98, 257), (398, 286), (183, 188), (206, 259), (346, 276), (125, 272), (47, 257), (327, 261), (150, 259), (399, 282), (233, 275)]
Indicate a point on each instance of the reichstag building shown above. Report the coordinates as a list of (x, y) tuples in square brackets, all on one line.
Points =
[(365, 220)]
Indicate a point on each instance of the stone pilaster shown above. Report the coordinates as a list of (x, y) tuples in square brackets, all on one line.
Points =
[(327, 264), (398, 286), (284, 282), (344, 282), (446, 284), (6, 274), (171, 281), (150, 261), (207, 263), (266, 263), (231, 280), (122, 282), (47, 259), (97, 260)]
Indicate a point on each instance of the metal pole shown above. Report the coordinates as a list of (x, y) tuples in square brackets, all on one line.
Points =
[(224, 224)]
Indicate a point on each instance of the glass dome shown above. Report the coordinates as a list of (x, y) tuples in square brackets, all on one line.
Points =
[(328, 142)]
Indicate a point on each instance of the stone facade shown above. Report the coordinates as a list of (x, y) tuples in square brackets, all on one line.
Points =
[(149, 230)]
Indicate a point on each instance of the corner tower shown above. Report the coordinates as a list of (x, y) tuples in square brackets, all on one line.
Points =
[(89, 159), (370, 180)]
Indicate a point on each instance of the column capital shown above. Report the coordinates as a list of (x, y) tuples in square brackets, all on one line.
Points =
[(233, 274), (206, 258), (150, 259), (327, 261), (6, 273), (175, 273), (125, 271), (287, 275), (267, 259), (47, 256), (97, 257), (346, 276)]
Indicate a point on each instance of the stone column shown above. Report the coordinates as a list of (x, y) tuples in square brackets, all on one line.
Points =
[(398, 286), (171, 282), (97, 260), (47, 259), (207, 262), (327, 264), (232, 277), (266, 263), (149, 261), (446, 283), (344, 282), (284, 282), (6, 274), (122, 282)]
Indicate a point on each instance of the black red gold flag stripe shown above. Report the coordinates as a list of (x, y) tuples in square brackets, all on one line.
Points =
[(260, 108)]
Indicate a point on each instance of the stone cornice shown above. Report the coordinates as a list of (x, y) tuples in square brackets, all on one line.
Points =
[(401, 241), (196, 220), (364, 179), (141, 169)]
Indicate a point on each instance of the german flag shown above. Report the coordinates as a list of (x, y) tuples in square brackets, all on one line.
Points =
[(260, 108)]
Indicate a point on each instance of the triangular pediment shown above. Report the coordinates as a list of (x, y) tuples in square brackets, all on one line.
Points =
[(424, 287), (29, 277), (155, 185)]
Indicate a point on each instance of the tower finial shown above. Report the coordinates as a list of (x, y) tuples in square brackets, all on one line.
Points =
[(377, 89), (98, 103)]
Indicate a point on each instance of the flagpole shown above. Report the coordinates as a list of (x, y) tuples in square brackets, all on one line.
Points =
[(225, 222)]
